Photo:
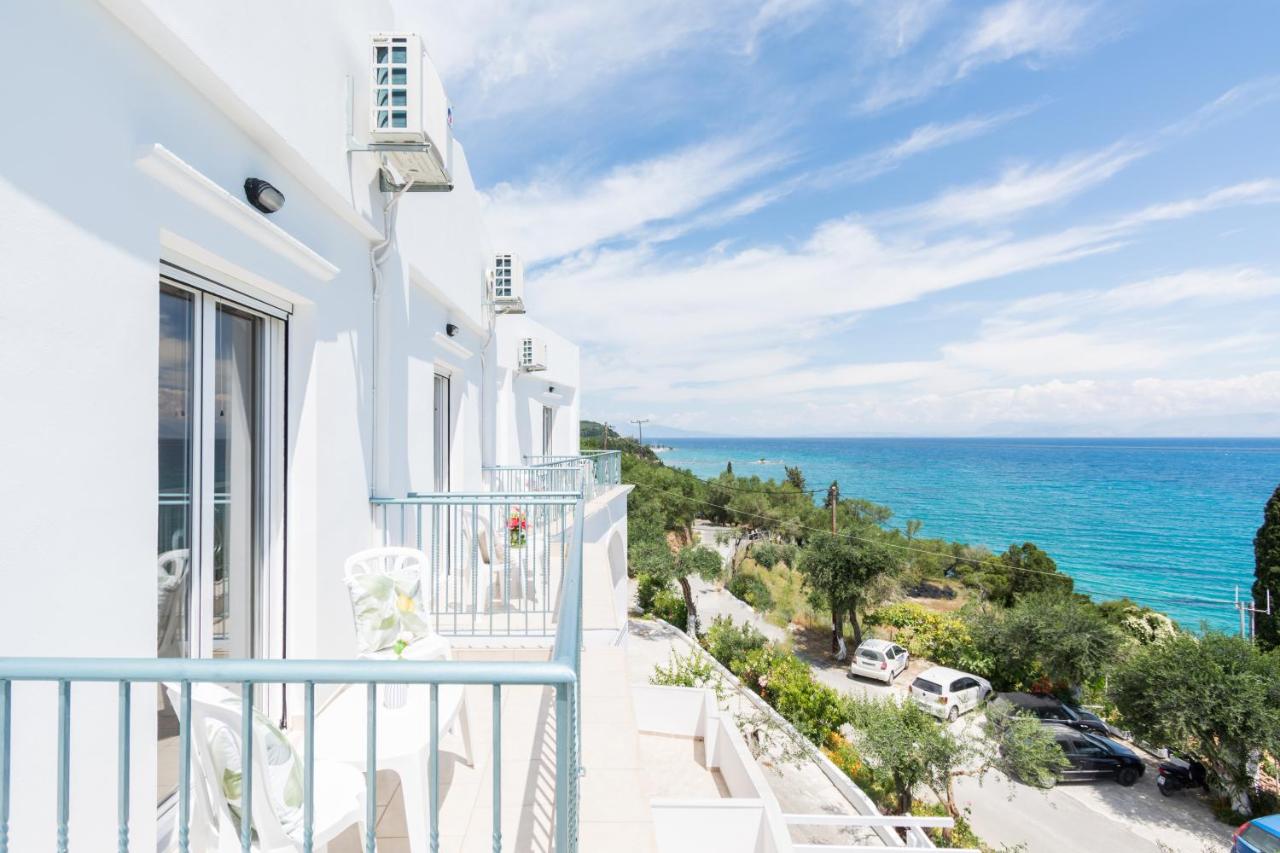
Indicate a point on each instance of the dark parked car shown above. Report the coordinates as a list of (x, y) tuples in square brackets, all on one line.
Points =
[(1260, 835), (1051, 710), (1096, 757)]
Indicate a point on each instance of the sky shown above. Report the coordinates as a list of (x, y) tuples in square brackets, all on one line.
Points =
[(840, 218)]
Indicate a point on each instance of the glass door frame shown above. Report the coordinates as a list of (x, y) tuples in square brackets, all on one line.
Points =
[(268, 616)]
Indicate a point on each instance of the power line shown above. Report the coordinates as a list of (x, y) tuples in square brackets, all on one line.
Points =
[(972, 560)]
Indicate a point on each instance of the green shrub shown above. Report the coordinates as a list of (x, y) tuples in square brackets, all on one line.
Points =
[(770, 554), (727, 642), (648, 586), (669, 606), (943, 638), (874, 783), (692, 670), (961, 835), (786, 683), (752, 590)]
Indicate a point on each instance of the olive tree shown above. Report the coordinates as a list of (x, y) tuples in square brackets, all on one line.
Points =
[(843, 572), (1215, 698)]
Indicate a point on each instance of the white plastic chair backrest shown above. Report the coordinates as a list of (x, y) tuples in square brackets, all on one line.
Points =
[(211, 826), (175, 564), (476, 544), (380, 561), (207, 706), (387, 559)]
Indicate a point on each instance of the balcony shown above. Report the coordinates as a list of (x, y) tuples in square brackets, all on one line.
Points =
[(562, 745), (504, 589), (593, 472)]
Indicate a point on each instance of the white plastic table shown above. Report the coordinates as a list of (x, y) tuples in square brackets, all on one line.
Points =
[(404, 743)]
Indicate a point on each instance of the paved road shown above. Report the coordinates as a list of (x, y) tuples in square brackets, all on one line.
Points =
[(1091, 817)]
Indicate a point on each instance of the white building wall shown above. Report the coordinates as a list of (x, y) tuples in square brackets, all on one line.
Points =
[(523, 394), (129, 142)]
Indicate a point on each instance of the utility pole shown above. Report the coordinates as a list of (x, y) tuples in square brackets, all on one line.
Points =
[(606, 435), (640, 422), (837, 618), (1253, 610)]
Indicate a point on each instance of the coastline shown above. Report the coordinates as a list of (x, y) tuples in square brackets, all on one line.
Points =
[(1166, 522)]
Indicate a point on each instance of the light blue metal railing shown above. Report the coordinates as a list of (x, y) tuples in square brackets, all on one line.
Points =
[(562, 672), (600, 469), (535, 478), (496, 559)]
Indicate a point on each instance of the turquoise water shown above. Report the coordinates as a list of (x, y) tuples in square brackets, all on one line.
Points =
[(1167, 522)]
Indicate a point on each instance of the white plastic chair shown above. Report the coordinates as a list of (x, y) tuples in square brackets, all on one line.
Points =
[(510, 581), (171, 580), (394, 560), (339, 789)]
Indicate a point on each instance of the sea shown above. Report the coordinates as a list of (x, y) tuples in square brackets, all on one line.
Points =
[(1167, 522)]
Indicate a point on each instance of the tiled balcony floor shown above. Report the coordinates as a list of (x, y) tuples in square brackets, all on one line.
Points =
[(614, 813)]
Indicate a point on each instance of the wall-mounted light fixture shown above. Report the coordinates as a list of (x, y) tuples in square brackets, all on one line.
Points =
[(262, 195), (451, 330)]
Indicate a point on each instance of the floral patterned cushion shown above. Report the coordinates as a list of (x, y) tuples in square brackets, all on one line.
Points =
[(387, 606), (284, 766)]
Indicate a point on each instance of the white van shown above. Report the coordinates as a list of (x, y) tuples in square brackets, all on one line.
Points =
[(948, 693)]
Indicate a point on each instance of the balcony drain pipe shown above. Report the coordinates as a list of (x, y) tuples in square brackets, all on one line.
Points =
[(377, 254)]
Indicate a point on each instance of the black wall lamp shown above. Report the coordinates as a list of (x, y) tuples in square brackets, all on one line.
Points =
[(451, 330), (262, 195)]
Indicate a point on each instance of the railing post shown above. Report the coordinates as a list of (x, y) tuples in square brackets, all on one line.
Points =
[(6, 724), (564, 769), (122, 767), (64, 762), (497, 768)]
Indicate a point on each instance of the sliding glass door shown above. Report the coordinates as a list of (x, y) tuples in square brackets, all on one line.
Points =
[(440, 444), (219, 370)]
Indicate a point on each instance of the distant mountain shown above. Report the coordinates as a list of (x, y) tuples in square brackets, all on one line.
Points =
[(660, 431)]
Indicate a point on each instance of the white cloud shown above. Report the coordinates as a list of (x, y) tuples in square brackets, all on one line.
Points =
[(501, 56), (740, 327), (1019, 189), (556, 215), (1201, 286), (1030, 29)]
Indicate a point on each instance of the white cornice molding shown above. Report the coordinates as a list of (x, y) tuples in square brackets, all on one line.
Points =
[(189, 182), (157, 35)]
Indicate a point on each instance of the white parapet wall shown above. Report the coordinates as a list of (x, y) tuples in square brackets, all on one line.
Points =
[(749, 820)]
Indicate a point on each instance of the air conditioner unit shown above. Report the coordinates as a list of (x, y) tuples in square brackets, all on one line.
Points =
[(533, 355), (506, 284), (409, 112)]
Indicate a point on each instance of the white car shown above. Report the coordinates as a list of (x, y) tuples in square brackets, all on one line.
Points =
[(879, 659), (948, 693)]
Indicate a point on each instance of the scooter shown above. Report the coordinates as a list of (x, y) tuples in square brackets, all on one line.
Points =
[(1176, 774)]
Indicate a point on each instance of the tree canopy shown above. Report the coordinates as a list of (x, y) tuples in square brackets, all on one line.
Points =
[(1216, 698), (1266, 557), (842, 572)]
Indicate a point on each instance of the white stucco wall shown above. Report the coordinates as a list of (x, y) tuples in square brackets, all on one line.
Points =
[(523, 394), (88, 207)]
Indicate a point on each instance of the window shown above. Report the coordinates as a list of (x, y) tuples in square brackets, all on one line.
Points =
[(927, 686), (220, 472), (1261, 839), (868, 654), (440, 438), (548, 427)]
